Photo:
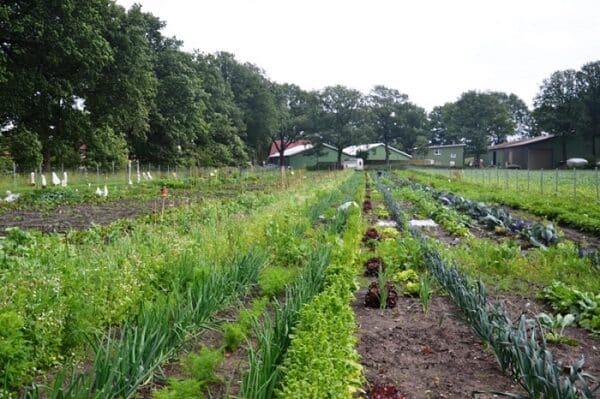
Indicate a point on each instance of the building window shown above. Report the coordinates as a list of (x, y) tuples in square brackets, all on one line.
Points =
[(437, 152), (452, 155)]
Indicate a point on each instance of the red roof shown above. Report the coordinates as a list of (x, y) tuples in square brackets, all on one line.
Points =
[(293, 144)]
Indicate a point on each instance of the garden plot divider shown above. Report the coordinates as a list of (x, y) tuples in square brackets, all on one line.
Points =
[(517, 348)]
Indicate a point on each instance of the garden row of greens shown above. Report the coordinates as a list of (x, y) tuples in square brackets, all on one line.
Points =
[(578, 213), (282, 363), (538, 234), (293, 239), (517, 349), (322, 360), (58, 293), (570, 280)]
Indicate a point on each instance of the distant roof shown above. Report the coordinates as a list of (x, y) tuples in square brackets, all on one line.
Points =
[(521, 142), (275, 151), (446, 145), (354, 149), (300, 146)]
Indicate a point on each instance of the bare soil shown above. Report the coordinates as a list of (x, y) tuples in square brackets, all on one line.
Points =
[(74, 217), (62, 218), (433, 355)]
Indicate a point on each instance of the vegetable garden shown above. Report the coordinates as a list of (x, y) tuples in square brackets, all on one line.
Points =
[(334, 285)]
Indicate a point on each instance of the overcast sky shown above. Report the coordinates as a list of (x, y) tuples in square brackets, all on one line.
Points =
[(432, 50)]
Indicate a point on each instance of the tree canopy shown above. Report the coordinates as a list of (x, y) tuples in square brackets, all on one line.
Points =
[(98, 76)]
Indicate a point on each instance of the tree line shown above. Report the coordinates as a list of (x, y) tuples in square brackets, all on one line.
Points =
[(91, 83)]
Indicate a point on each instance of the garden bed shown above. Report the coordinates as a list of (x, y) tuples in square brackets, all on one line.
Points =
[(432, 355)]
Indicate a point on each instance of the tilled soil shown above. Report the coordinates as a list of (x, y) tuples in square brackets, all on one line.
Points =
[(433, 355), (82, 216), (74, 217), (67, 217)]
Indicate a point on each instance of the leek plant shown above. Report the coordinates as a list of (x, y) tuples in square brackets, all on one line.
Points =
[(124, 359), (425, 292)]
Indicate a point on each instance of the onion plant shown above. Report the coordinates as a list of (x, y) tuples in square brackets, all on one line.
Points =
[(125, 358)]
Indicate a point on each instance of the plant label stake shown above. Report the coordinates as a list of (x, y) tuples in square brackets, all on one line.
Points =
[(574, 183), (163, 193), (129, 173), (597, 191)]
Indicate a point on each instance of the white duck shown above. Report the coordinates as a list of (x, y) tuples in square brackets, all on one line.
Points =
[(144, 175), (55, 179), (99, 192), (44, 182), (64, 180), (10, 197), (149, 176), (105, 191), (32, 179)]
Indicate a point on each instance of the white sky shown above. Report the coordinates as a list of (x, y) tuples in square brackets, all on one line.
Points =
[(432, 50)]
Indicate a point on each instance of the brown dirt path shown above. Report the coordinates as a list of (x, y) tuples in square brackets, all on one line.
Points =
[(433, 355)]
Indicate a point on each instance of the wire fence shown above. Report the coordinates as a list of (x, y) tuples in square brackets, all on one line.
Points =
[(20, 179), (574, 183)]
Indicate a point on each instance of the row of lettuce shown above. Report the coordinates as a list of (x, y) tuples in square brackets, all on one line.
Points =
[(307, 348), (519, 348), (132, 290)]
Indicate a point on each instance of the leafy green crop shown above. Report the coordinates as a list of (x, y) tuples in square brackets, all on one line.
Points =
[(583, 305)]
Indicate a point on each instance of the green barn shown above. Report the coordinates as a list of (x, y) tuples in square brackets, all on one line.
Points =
[(304, 155), (375, 153), (449, 155), (543, 152)]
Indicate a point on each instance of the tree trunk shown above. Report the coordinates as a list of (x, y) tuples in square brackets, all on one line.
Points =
[(564, 148), (339, 158), (594, 144), (281, 157), (387, 154)]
